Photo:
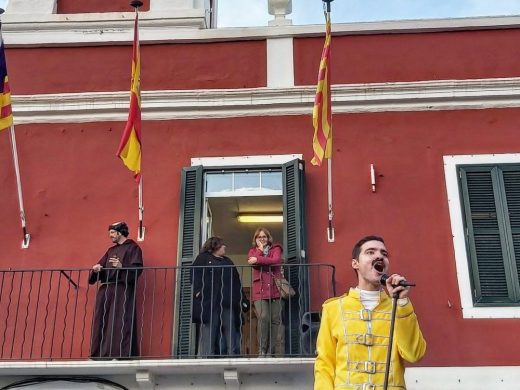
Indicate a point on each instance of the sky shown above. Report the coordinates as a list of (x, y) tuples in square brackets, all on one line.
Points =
[(244, 13)]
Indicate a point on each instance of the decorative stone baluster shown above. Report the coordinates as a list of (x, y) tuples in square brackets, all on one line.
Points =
[(279, 9), (44, 7)]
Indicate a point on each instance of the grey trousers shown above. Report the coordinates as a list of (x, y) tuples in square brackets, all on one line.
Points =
[(269, 328), (220, 337)]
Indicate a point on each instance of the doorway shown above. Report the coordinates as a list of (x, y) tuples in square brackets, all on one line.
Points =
[(212, 199)]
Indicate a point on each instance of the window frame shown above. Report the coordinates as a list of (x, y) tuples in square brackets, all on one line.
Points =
[(241, 192), (457, 219)]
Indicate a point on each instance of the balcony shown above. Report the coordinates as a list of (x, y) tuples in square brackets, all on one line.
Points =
[(145, 329)]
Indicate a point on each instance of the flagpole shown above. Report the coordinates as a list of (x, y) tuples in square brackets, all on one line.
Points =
[(140, 233), (26, 235), (330, 227), (141, 230)]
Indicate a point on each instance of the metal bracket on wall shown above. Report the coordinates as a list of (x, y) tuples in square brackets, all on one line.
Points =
[(231, 379), (145, 379), (140, 233), (330, 234), (372, 178), (26, 241)]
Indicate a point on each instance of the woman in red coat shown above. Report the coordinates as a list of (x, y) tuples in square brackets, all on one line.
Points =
[(266, 258)]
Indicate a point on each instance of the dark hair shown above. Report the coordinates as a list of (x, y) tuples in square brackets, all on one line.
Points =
[(120, 227), (266, 232), (357, 248), (212, 244)]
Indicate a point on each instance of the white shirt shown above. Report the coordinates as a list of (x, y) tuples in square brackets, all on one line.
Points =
[(369, 299)]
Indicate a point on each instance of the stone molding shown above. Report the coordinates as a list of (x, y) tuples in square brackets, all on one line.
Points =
[(222, 103), (190, 26)]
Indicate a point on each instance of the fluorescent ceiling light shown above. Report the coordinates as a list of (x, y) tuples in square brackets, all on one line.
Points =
[(260, 218)]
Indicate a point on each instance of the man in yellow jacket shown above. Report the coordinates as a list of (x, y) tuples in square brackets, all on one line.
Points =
[(355, 328)]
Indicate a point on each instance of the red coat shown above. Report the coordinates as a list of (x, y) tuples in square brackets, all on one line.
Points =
[(263, 284)]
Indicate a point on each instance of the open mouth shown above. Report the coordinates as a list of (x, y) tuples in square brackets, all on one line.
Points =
[(378, 265)]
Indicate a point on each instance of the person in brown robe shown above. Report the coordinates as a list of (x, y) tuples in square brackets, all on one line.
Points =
[(114, 326)]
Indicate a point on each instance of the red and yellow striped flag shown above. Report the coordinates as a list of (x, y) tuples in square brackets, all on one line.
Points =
[(6, 112), (130, 146), (321, 113)]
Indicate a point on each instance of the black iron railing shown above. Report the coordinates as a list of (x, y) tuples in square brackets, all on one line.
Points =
[(161, 312)]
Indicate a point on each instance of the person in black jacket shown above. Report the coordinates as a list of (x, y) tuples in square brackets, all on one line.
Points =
[(217, 297)]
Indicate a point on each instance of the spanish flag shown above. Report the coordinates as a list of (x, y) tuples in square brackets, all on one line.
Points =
[(321, 113), (130, 146), (6, 113)]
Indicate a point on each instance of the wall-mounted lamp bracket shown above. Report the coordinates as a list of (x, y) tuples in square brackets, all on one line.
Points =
[(372, 178), (26, 240), (140, 233)]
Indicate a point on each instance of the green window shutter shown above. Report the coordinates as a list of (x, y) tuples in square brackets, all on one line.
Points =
[(293, 173), (294, 211), (188, 248), (493, 269), (511, 180)]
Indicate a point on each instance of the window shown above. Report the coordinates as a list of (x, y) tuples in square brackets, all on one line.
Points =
[(244, 182), (491, 201), (484, 201)]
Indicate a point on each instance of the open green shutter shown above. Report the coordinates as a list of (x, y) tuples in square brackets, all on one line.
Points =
[(294, 251), (294, 211), (511, 184), (187, 249), (485, 234)]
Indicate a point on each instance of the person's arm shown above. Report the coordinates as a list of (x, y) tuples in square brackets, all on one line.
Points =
[(325, 364), (409, 339), (274, 259), (136, 257), (132, 259), (97, 272), (137, 261), (196, 276), (252, 258), (237, 287)]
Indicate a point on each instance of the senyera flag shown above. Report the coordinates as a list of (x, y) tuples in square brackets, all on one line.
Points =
[(6, 113), (321, 113), (130, 146)]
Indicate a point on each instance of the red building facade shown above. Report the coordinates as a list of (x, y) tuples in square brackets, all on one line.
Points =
[(415, 99)]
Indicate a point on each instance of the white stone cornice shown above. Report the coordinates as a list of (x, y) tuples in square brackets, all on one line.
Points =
[(102, 29), (157, 27), (218, 103)]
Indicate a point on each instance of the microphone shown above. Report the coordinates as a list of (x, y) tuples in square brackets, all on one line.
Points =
[(402, 283)]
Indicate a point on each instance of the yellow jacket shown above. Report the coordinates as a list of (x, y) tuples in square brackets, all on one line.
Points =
[(352, 344)]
